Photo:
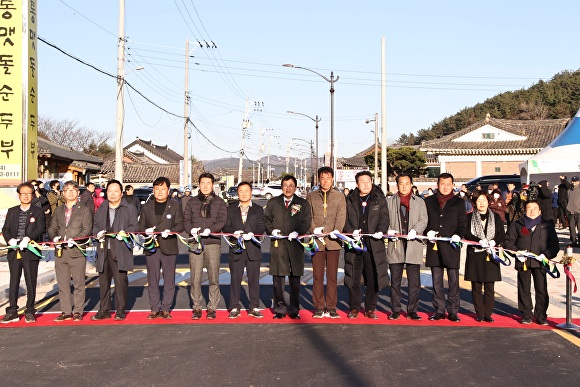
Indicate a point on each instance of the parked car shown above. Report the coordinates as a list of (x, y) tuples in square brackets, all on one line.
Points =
[(232, 193), (256, 191), (269, 191), (501, 180), (143, 193)]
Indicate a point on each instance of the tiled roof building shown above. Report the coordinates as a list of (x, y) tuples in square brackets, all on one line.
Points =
[(491, 146)]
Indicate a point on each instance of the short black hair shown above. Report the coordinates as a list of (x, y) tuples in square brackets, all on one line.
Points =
[(162, 180), (22, 185), (404, 175), (113, 181), (363, 173), (445, 175), (290, 177), (208, 175), (244, 183), (53, 183), (89, 184), (322, 170), (128, 187)]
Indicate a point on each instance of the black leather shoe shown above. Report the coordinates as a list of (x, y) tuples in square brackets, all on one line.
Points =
[(488, 319), (479, 318), (279, 315), (101, 315), (120, 316), (454, 318), (294, 316), (395, 316), (414, 316), (437, 316)]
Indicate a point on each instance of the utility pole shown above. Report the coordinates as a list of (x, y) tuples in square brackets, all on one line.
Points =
[(245, 126), (384, 175), (120, 94), (186, 169)]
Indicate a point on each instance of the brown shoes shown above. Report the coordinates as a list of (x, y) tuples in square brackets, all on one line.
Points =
[(153, 315), (165, 315), (372, 315), (353, 313)]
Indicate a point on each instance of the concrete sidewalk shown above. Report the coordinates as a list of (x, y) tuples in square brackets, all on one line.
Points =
[(507, 288)]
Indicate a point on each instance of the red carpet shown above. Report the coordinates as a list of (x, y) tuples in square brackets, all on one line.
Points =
[(184, 317)]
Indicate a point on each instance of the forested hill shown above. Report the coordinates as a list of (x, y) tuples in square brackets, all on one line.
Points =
[(557, 98)]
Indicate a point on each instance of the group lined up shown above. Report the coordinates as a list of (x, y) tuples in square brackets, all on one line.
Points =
[(372, 220)]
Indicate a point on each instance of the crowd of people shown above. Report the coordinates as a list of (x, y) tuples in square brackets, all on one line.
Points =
[(393, 229)]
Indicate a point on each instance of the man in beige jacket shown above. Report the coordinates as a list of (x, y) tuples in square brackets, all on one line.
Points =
[(328, 216)]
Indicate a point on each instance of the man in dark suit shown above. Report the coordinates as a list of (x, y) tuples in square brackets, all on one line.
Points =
[(70, 223), (287, 215), (114, 258), (245, 219), (86, 197), (165, 216), (447, 218), (24, 223)]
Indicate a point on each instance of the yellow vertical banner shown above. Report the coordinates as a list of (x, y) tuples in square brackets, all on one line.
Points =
[(31, 137), (11, 92)]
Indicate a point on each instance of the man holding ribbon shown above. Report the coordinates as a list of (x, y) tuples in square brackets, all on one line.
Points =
[(286, 217), (447, 219), (366, 213), (408, 216), (24, 223), (328, 213), (244, 220), (70, 225), (535, 241), (161, 219), (205, 214), (113, 219)]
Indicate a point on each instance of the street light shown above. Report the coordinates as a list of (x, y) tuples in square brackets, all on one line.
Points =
[(316, 121), (311, 151), (376, 121), (331, 81)]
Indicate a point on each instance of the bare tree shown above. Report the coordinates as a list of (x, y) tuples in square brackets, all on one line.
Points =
[(71, 134)]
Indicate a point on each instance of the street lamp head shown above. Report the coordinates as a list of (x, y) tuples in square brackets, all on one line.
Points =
[(288, 65), (290, 112)]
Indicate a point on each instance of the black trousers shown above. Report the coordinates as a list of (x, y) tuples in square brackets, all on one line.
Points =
[(525, 294), (155, 263), (111, 271), (30, 269), (414, 278), (364, 266), (280, 306), (483, 302), (439, 291), (574, 227), (253, 273)]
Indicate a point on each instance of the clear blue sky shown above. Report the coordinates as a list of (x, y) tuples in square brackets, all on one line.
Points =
[(441, 56)]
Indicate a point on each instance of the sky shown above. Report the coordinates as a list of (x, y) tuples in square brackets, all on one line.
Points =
[(440, 57)]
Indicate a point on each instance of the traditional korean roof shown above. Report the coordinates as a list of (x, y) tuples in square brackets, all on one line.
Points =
[(140, 172), (161, 151), (78, 159), (513, 137)]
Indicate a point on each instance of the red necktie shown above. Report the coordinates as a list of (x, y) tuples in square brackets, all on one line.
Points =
[(286, 202)]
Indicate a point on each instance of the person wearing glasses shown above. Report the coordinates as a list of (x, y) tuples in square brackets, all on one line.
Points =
[(70, 224), (24, 223)]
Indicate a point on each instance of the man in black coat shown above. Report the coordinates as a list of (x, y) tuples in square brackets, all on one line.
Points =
[(545, 201), (165, 216), (447, 218), (24, 223), (86, 197), (114, 257), (287, 215), (244, 220), (366, 213), (563, 189), (534, 235)]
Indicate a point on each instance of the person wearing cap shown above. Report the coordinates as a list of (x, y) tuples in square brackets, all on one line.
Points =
[(185, 198), (573, 208), (24, 223)]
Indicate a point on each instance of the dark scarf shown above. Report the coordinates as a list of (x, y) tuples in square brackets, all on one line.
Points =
[(443, 198), (205, 210), (406, 200), (531, 223)]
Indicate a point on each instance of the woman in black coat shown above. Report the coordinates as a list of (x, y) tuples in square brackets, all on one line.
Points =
[(486, 227)]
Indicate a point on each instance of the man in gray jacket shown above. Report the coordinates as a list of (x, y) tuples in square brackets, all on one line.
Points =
[(408, 215), (574, 210)]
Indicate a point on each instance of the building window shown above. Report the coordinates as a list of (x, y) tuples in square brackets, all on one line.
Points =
[(488, 136), (497, 169)]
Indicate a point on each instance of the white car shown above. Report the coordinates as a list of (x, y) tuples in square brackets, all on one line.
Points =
[(269, 191)]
